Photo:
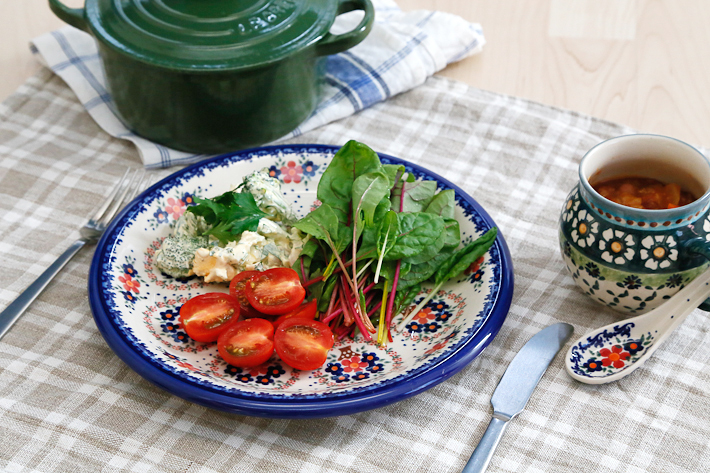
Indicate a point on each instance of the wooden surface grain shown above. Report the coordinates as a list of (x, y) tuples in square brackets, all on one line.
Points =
[(642, 63)]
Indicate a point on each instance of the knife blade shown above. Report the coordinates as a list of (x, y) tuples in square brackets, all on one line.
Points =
[(515, 388)]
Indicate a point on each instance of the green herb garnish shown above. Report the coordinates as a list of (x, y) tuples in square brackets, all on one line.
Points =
[(228, 215)]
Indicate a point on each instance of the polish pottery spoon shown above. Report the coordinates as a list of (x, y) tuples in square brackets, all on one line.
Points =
[(611, 352)]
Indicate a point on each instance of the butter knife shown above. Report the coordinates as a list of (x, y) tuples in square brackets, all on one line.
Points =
[(515, 388)]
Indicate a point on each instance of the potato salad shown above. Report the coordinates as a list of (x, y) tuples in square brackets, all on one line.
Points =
[(206, 242)]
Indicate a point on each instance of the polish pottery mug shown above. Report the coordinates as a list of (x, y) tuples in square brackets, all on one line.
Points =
[(633, 259)]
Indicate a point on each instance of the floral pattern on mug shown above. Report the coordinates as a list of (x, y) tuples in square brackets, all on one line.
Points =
[(571, 205), (617, 246), (585, 229), (658, 251), (620, 288)]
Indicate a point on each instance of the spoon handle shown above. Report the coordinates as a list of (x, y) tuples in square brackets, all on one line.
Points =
[(670, 314), (659, 323)]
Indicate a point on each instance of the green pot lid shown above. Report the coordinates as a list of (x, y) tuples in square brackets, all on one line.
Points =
[(210, 34)]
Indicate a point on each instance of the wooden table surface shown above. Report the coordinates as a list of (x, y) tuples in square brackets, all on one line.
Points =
[(642, 63)]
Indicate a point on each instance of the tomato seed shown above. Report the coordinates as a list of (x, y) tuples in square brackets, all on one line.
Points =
[(238, 351), (221, 320)]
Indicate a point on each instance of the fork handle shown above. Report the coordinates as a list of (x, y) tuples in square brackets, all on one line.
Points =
[(9, 316)]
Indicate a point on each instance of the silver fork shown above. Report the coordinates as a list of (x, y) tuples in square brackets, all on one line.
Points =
[(127, 188)]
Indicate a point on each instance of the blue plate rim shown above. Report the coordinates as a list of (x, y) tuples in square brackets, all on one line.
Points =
[(295, 407)]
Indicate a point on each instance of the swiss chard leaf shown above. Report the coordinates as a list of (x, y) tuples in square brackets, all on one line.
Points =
[(393, 171), (309, 251), (442, 204), (310, 248), (326, 291), (462, 259), (389, 267), (405, 297), (423, 271), (417, 231), (387, 231), (322, 223), (453, 233), (368, 190), (336, 184), (417, 195), (368, 242), (345, 237), (449, 239)]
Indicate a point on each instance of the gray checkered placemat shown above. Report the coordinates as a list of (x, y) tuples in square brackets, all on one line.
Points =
[(67, 403)]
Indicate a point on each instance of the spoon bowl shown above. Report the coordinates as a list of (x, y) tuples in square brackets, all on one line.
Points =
[(614, 351)]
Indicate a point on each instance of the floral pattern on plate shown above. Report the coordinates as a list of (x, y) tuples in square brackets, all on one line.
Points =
[(172, 207), (129, 283)]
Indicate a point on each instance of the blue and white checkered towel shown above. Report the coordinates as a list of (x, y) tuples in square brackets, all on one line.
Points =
[(401, 51)]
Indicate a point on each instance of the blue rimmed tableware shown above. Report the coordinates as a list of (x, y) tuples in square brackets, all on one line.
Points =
[(136, 307), (629, 259), (614, 351)]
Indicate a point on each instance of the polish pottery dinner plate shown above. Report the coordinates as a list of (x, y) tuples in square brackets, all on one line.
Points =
[(136, 307)]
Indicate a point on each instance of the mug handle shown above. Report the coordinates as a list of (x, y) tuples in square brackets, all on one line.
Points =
[(336, 43), (701, 247), (72, 16)]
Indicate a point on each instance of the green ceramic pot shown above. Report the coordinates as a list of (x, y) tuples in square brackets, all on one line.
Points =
[(211, 76)]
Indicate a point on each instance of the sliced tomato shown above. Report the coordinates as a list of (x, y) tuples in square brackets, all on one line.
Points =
[(302, 343), (247, 343), (237, 289), (206, 316), (275, 291), (304, 311)]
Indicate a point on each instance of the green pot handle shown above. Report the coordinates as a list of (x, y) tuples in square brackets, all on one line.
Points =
[(336, 43), (73, 16)]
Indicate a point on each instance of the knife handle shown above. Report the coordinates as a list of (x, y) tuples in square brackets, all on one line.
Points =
[(483, 453)]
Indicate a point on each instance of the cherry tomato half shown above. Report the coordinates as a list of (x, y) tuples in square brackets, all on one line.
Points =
[(237, 287), (206, 316), (304, 311), (302, 343), (275, 291), (247, 343)]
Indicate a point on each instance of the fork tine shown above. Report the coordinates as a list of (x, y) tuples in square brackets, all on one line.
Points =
[(111, 197), (136, 186), (145, 182), (119, 202)]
